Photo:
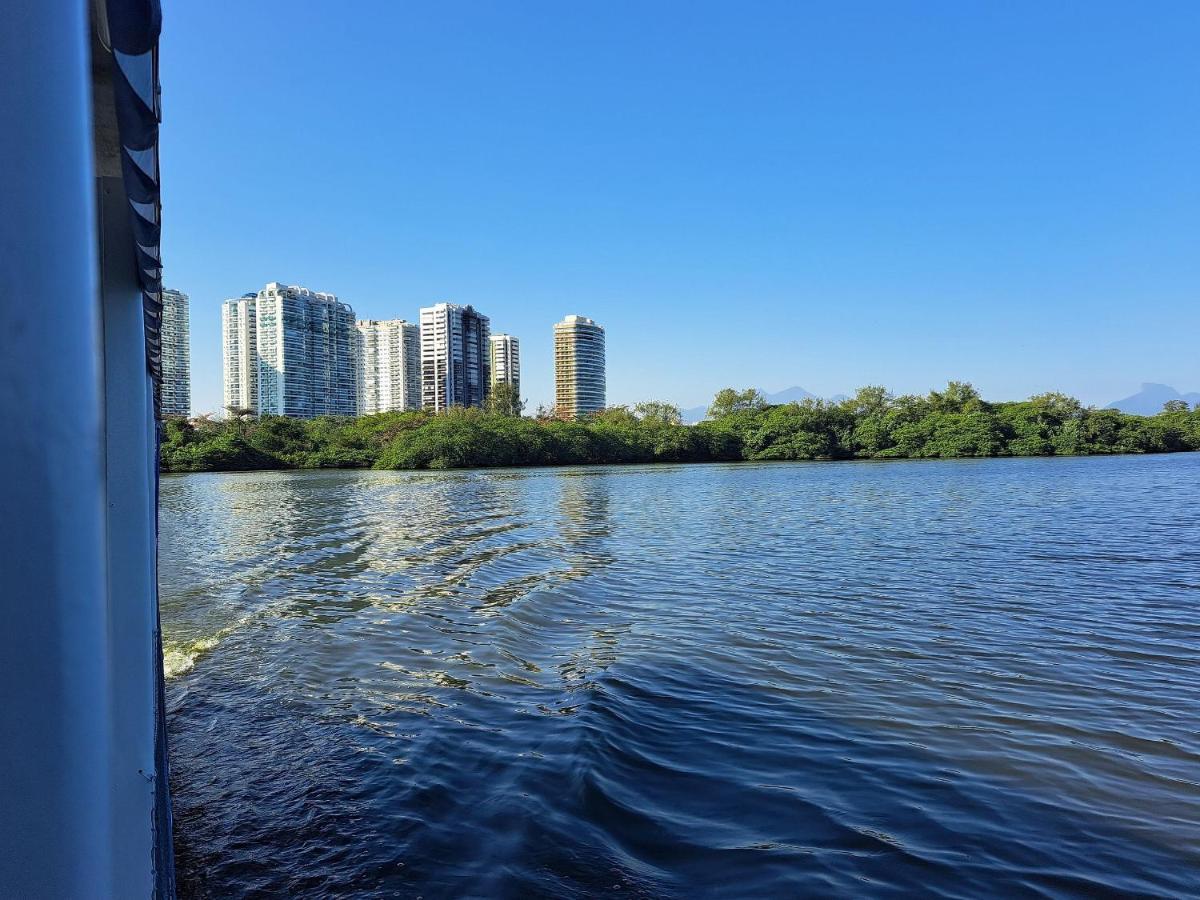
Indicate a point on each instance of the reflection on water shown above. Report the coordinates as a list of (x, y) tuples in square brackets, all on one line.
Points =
[(946, 679)]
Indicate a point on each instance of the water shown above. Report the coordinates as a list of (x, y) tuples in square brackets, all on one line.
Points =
[(949, 679)]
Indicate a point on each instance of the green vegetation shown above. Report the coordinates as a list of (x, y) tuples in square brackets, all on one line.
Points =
[(873, 424)]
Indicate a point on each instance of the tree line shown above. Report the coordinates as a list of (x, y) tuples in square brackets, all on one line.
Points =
[(873, 424)]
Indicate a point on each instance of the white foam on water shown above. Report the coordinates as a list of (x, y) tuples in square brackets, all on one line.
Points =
[(180, 657)]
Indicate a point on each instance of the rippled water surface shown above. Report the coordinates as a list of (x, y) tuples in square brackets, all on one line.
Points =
[(972, 679)]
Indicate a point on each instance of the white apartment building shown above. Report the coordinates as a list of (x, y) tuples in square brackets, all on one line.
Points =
[(239, 343), (176, 394), (505, 357), (455, 368), (388, 366), (306, 344), (579, 382)]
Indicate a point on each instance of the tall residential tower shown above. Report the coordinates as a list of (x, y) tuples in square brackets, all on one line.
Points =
[(389, 366), (176, 355), (239, 343), (579, 384), (505, 360), (306, 349), (455, 369)]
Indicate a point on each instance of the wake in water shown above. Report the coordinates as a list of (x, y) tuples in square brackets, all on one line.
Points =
[(180, 658)]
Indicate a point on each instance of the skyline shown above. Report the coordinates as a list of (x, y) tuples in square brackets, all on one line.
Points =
[(818, 196), (290, 351)]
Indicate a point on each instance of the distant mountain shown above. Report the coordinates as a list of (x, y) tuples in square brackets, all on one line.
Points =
[(787, 395), (1150, 399)]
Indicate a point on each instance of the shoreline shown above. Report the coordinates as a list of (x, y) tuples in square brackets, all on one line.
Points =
[(873, 425), (663, 463)]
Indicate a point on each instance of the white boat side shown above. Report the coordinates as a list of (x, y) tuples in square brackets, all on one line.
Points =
[(82, 745)]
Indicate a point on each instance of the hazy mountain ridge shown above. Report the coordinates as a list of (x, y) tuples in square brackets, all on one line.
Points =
[(1150, 399)]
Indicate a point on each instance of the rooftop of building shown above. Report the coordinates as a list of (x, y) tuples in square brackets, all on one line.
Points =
[(577, 320), (276, 288), (466, 307)]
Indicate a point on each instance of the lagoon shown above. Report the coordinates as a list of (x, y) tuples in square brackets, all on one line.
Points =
[(952, 678)]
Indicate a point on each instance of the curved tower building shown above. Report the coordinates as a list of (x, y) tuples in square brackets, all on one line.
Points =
[(579, 384)]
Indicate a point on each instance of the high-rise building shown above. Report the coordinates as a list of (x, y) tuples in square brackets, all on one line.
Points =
[(454, 357), (239, 341), (505, 361), (579, 383), (176, 355), (389, 366), (306, 349)]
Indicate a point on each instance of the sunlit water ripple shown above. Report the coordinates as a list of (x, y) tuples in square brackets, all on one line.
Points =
[(958, 679)]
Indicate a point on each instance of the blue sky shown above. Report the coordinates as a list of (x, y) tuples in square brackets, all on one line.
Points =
[(767, 194)]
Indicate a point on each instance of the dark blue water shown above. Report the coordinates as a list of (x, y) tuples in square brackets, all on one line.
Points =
[(945, 679)]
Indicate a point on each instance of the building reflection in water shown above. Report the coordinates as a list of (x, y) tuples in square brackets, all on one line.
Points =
[(585, 528), (584, 524)]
